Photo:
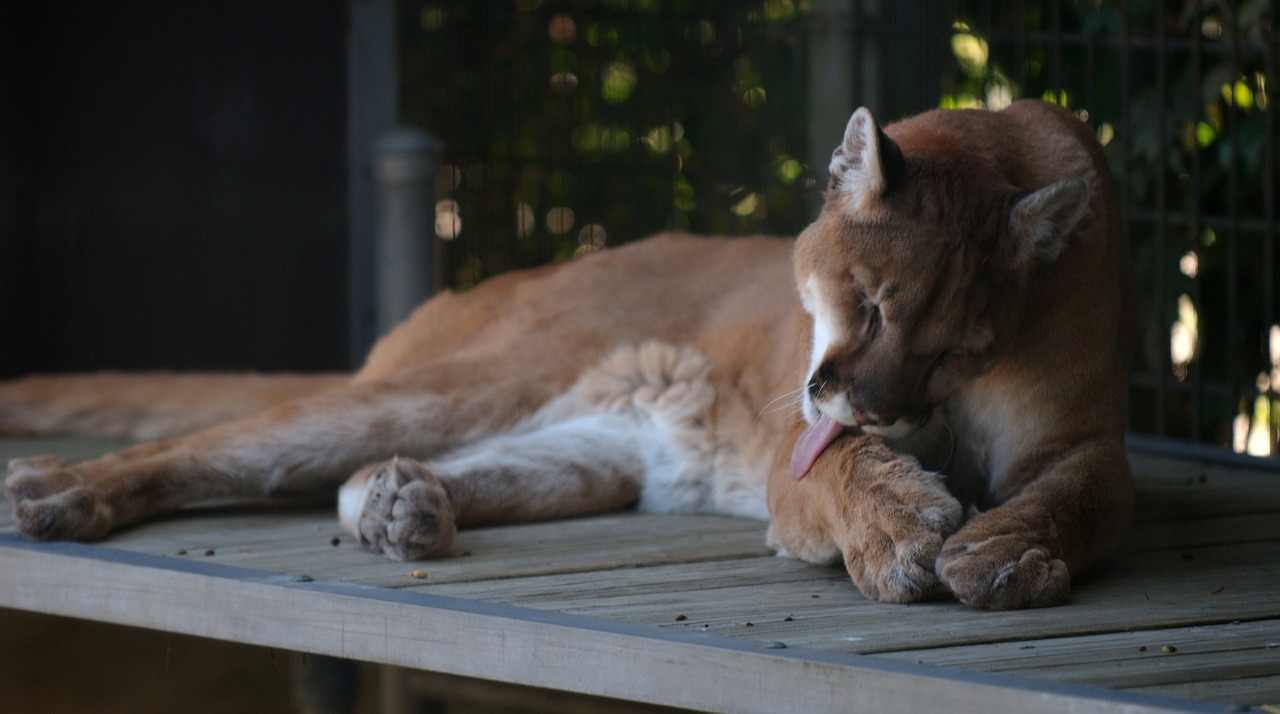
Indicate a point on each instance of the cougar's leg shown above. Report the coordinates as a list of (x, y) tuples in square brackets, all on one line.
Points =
[(1070, 514), (290, 451), (588, 450), (588, 464), (878, 509)]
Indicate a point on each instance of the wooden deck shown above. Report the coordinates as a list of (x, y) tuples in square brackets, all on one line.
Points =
[(695, 612)]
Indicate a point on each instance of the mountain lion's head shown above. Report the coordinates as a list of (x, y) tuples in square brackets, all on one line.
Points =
[(916, 270)]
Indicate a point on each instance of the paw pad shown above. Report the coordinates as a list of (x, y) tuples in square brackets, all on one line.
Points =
[(52, 501), (406, 512)]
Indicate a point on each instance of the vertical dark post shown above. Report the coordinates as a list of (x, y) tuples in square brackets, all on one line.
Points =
[(404, 167), (1162, 259), (833, 81), (371, 111)]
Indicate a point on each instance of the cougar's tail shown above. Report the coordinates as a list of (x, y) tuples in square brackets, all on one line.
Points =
[(143, 406)]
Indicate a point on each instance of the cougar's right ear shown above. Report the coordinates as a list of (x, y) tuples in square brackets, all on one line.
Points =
[(867, 163), (1041, 222)]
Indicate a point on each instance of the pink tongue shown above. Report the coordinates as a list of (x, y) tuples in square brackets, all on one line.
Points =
[(809, 446)]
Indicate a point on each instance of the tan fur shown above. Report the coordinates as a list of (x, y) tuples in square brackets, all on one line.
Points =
[(1008, 346), (671, 374), (152, 405)]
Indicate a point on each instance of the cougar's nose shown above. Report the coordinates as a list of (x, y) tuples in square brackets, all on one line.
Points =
[(821, 377)]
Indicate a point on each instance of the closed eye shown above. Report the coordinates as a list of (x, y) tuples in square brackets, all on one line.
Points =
[(870, 295), (873, 317), (869, 308)]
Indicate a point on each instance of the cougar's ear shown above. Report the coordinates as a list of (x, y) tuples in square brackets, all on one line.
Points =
[(1040, 222), (866, 163)]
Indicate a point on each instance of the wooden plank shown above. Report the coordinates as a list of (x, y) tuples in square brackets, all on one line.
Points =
[(1185, 503), (550, 591), (1259, 635), (302, 542), (1254, 692), (1169, 492), (1154, 468), (508, 644), (1183, 535), (601, 543), (229, 530), (285, 540), (1127, 659), (569, 559), (1172, 490), (1139, 592), (554, 591), (1201, 554), (290, 540), (1156, 667)]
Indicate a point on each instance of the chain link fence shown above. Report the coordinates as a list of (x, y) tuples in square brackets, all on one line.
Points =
[(575, 125)]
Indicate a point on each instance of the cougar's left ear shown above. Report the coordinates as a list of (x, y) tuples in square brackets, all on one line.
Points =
[(1040, 222), (867, 162)]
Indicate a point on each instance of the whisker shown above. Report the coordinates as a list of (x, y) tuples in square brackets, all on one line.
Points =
[(788, 399), (951, 444)]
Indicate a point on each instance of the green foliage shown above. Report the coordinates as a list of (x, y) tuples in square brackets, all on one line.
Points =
[(572, 125), (1181, 96), (575, 125)]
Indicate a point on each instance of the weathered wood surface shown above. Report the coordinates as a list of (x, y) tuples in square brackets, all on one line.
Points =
[(678, 610)]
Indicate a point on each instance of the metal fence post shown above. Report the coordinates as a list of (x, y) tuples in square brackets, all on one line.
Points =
[(404, 168)]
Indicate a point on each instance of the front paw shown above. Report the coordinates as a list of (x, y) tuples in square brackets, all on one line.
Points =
[(895, 529), (1001, 571), (51, 501), (403, 511)]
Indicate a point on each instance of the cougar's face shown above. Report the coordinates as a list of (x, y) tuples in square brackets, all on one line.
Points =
[(903, 315)]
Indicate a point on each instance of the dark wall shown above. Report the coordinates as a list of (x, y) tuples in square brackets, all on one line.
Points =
[(172, 185)]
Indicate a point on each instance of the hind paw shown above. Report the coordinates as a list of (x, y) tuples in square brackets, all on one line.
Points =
[(52, 501), (398, 508)]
